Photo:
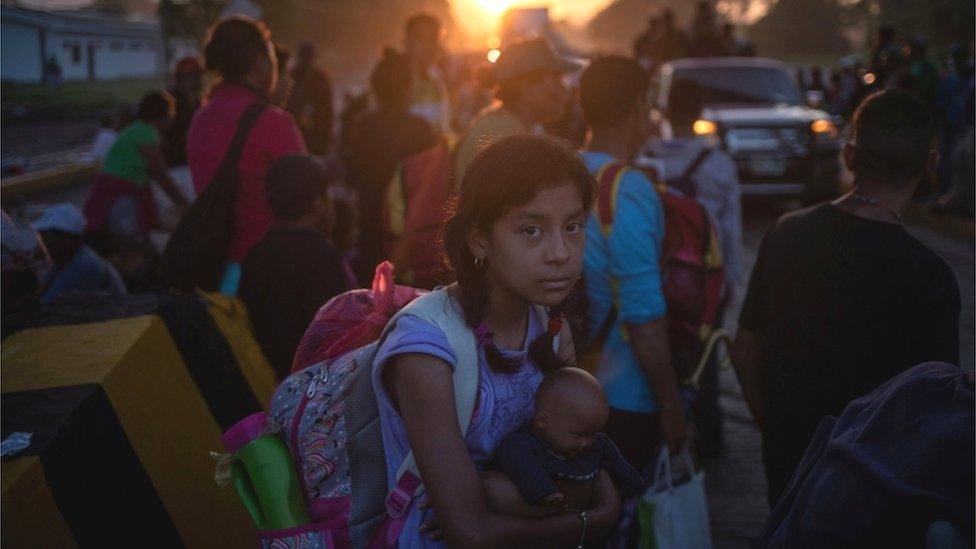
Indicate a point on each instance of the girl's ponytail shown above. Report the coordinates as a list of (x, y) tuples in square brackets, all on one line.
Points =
[(542, 351)]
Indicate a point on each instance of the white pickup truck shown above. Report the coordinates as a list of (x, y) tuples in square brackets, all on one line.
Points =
[(755, 111)]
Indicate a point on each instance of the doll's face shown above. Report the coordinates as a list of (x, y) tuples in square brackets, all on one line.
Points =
[(568, 427)]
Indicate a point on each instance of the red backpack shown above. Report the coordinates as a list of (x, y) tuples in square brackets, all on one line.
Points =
[(414, 211), (692, 274)]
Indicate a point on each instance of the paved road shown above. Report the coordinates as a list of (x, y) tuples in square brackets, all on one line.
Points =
[(734, 481)]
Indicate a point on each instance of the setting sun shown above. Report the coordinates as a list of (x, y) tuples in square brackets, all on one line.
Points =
[(495, 7)]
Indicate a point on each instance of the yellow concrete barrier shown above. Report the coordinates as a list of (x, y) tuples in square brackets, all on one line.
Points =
[(164, 417), (45, 180)]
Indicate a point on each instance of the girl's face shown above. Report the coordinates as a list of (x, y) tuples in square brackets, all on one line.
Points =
[(535, 252)]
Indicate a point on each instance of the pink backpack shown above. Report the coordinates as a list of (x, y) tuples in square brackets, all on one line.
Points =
[(326, 413)]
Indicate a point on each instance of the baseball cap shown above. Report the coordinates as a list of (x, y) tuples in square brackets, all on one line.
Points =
[(526, 56), (62, 217)]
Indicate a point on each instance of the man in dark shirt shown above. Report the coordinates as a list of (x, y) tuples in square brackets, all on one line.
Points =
[(295, 268), (842, 298)]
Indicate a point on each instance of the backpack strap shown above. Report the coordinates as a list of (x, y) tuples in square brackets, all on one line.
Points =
[(608, 183), (696, 163), (247, 121)]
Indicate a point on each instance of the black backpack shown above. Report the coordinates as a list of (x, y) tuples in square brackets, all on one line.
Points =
[(196, 254)]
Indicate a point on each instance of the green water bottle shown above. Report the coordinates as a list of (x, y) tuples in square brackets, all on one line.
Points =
[(264, 475)]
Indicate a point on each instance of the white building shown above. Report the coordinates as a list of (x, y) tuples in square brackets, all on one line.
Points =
[(87, 45)]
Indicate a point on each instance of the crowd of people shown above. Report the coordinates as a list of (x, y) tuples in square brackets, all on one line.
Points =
[(946, 88), (664, 40), (842, 298)]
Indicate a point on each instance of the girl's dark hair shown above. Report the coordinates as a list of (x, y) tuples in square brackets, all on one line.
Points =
[(232, 46), (391, 80), (155, 105), (505, 175)]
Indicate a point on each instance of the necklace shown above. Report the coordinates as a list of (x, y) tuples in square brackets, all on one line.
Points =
[(873, 202)]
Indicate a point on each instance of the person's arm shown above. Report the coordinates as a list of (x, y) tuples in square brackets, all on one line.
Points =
[(424, 391), (635, 252), (153, 155), (650, 343), (628, 479), (747, 348), (745, 357), (522, 464)]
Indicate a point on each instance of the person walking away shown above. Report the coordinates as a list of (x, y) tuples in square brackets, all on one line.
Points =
[(924, 75), (886, 59), (75, 266), (842, 298), (240, 50), (187, 92), (294, 269), (715, 182), (705, 40), (529, 92), (622, 271), (672, 42), (429, 97), (311, 101), (954, 94), (644, 51), (379, 140), (120, 207)]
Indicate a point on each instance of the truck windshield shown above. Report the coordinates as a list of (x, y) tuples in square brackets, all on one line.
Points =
[(743, 85)]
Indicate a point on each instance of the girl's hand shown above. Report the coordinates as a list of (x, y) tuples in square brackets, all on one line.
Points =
[(605, 513), (431, 526)]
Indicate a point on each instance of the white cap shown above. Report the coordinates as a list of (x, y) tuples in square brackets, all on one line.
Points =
[(62, 217)]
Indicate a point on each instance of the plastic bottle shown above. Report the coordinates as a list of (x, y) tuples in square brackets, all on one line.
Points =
[(264, 475)]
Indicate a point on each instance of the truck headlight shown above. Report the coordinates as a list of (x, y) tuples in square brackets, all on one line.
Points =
[(823, 130), (704, 128)]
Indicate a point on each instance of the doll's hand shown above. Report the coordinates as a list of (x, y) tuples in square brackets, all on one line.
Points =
[(554, 500)]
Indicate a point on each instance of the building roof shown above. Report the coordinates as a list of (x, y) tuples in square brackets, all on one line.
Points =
[(92, 22)]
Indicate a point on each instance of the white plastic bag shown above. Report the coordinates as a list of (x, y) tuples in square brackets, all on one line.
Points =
[(674, 517)]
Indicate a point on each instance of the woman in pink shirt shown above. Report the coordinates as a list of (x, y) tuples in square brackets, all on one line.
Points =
[(241, 51)]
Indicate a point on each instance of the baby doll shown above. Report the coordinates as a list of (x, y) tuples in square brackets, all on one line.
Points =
[(554, 459)]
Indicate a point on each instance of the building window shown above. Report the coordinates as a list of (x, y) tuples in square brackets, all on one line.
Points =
[(76, 54), (134, 46), (116, 45)]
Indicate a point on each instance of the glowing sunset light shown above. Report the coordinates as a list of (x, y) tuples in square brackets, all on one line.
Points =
[(481, 17), (494, 7)]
